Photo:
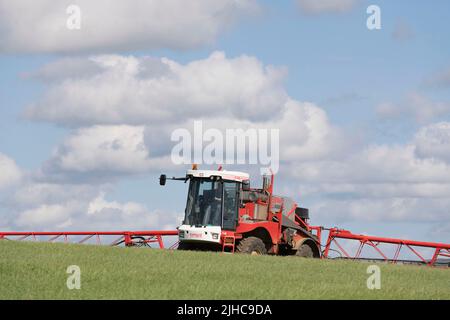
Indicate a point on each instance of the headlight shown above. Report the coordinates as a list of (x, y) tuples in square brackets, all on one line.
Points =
[(215, 236), (180, 234)]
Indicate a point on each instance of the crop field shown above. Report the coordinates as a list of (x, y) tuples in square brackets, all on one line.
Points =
[(39, 271)]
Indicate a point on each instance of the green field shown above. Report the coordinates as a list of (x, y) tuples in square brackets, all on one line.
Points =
[(38, 271)]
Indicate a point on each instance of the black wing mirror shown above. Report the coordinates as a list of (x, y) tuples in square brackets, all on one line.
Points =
[(246, 185), (162, 180)]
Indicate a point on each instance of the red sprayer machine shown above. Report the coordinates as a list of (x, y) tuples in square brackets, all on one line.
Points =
[(224, 213)]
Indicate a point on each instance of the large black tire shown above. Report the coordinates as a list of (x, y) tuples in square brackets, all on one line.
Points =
[(305, 251), (252, 245), (185, 246)]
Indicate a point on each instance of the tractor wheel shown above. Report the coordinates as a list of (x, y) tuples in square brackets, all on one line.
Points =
[(252, 245), (184, 246), (305, 251)]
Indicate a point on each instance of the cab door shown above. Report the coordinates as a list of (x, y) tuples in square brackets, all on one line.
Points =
[(230, 205)]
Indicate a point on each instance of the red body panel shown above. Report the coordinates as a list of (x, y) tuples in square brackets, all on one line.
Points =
[(272, 228)]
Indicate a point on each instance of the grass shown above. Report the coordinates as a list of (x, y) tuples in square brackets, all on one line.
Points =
[(38, 271)]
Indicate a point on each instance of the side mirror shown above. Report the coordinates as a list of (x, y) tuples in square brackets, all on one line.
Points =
[(246, 185), (162, 180)]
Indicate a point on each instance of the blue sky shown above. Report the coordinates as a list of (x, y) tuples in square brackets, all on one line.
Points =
[(373, 87)]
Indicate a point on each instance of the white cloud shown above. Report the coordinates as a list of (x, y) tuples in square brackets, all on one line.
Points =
[(106, 152), (45, 216), (129, 215), (408, 182), (99, 206), (102, 154), (416, 106), (372, 190), (129, 107), (65, 68), (66, 206), (10, 173), (95, 214), (425, 109), (383, 163), (154, 91), (326, 6), (392, 209), (47, 206), (305, 131), (29, 204), (107, 25), (160, 96), (32, 194), (103, 148), (307, 134), (433, 141)]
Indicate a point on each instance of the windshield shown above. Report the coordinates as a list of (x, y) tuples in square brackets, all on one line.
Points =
[(205, 206)]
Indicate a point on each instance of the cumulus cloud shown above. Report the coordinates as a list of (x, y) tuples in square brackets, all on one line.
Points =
[(156, 96), (305, 132), (153, 91), (34, 205), (45, 216), (44, 205), (107, 152), (125, 108), (390, 209), (10, 173), (106, 25), (433, 141), (94, 214), (104, 149), (326, 6), (416, 107), (377, 164), (65, 68), (375, 190), (409, 182), (34, 202)]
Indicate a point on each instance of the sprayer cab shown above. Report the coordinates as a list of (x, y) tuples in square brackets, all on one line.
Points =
[(224, 212)]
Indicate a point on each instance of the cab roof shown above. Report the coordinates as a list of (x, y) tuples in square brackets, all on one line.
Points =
[(224, 174)]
